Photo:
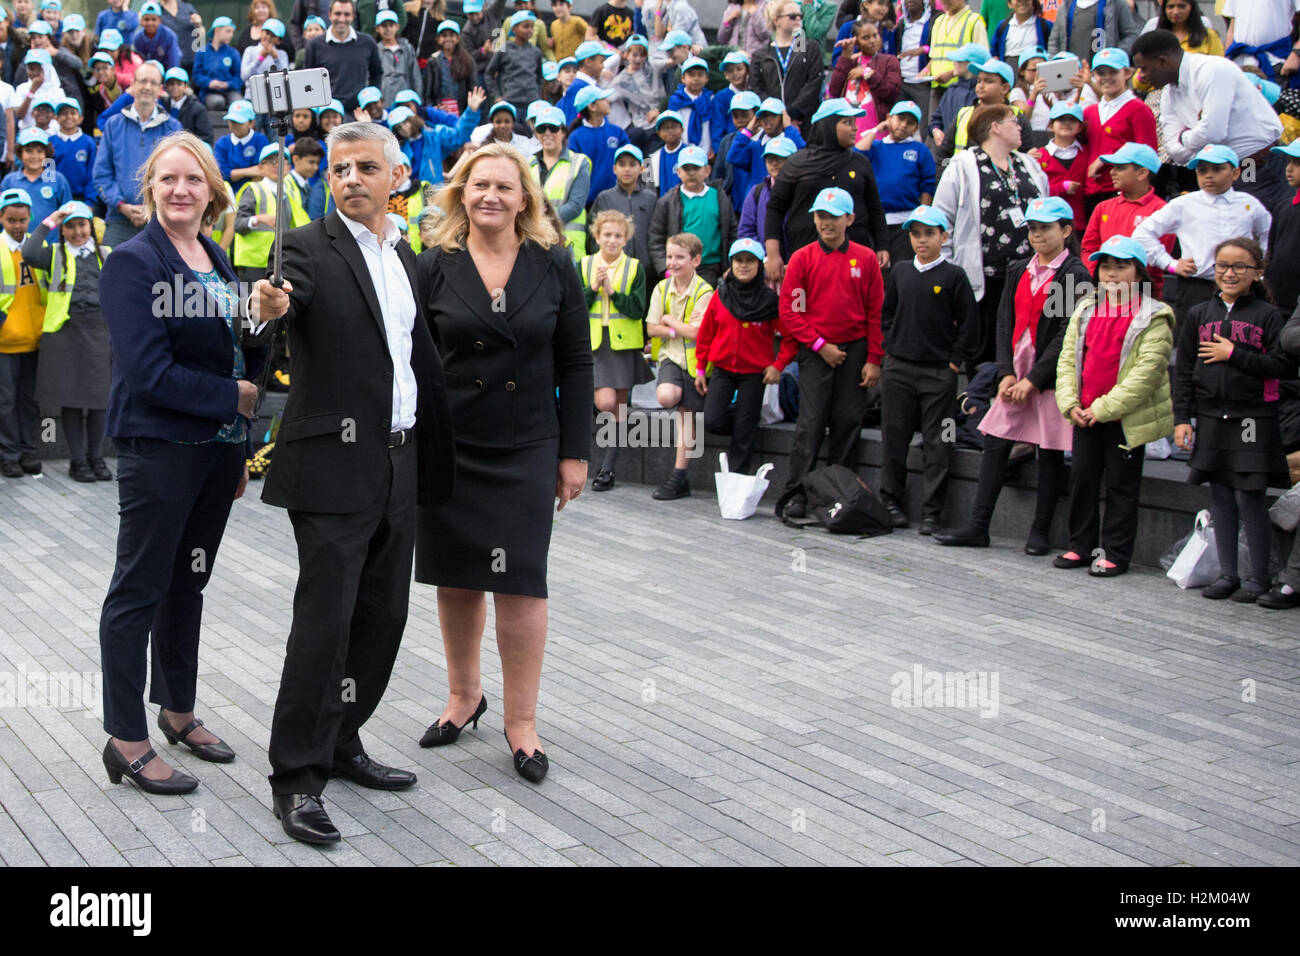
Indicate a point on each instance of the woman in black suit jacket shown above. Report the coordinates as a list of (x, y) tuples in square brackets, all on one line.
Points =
[(501, 290), (178, 412)]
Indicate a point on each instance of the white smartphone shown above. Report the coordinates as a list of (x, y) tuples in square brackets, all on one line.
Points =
[(285, 92), (1058, 73)]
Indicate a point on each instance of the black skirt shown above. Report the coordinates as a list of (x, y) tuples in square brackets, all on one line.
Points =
[(1228, 453), (495, 532)]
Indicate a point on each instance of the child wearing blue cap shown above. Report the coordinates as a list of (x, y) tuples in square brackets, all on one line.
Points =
[(237, 152), (1200, 220), (1040, 295), (1131, 170), (735, 67), (479, 30), (694, 104), (1230, 359), (117, 17), (947, 100), (736, 342), (753, 212), (994, 81), (1065, 160), (450, 73), (22, 303), (400, 68), (590, 60), (904, 168), (514, 73), (746, 155), (1112, 383), (153, 40), (186, 108), (638, 90), (739, 116), (595, 137), (47, 187), (931, 328), (217, 67), (74, 152), (1119, 117), (696, 207), (75, 370), (831, 299)]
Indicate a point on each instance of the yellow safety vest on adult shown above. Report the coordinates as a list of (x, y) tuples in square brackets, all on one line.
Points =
[(698, 289), (558, 186), (624, 332), (58, 299)]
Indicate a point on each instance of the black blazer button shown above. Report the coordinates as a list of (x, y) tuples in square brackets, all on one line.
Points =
[(479, 346), (388, 376), (478, 383), (510, 386)]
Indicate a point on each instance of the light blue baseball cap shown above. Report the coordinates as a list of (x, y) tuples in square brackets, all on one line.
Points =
[(472, 6), (1121, 247), (588, 95), (385, 16), (240, 111), (1291, 149), (67, 101), (368, 95), (100, 57), (76, 210), (691, 156), (997, 67), (15, 197), (1136, 154), (521, 16), (227, 22), (446, 25), (587, 49), (334, 106), (550, 116), (781, 146), (74, 21), (928, 216), (48, 100), (627, 149), (276, 27), (1049, 209), (1033, 53), (747, 247), (637, 39), (1113, 57), (1072, 110), (41, 28), (535, 108), (567, 61), (110, 40), (675, 38), (745, 100), (695, 63), (38, 56), (908, 107), (503, 107), (150, 9), (838, 106), (269, 152), (401, 224), (833, 200), (33, 134), (406, 96), (970, 53), (550, 71), (1214, 153), (772, 105), (1272, 92), (54, 4), (176, 73), (398, 116), (736, 57), (667, 115)]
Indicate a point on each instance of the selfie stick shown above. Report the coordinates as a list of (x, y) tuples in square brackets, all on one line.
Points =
[(280, 123)]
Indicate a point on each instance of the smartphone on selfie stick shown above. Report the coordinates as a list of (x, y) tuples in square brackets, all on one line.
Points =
[(276, 95)]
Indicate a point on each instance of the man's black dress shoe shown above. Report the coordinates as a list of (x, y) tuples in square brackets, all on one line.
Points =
[(364, 772), (219, 752), (304, 818), (30, 464)]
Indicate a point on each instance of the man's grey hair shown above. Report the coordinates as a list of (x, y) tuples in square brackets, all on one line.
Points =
[(367, 131)]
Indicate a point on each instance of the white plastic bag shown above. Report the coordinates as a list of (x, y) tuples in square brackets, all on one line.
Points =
[(771, 405), (1285, 512), (1160, 449), (1198, 563), (738, 493)]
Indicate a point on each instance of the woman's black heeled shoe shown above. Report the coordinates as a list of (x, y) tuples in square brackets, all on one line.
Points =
[(439, 735), (219, 752), (533, 768), (118, 766)]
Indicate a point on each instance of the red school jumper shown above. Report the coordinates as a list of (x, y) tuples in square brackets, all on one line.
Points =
[(1132, 123), (1058, 174), (1119, 217)]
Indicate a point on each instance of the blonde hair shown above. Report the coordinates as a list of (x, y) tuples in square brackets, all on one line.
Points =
[(202, 153), (531, 224), (687, 242), (612, 215)]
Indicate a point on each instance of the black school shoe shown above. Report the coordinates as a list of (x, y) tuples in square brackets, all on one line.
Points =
[(674, 487), (929, 525), (603, 481), (1279, 600), (80, 471), (897, 516), (11, 469), (1223, 587), (962, 537), (30, 464), (100, 470), (1249, 592)]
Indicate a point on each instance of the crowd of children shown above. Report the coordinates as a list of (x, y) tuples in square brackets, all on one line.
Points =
[(727, 236)]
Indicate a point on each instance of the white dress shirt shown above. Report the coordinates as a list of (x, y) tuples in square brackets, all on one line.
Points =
[(1213, 102), (331, 38), (397, 303), (1106, 109), (912, 31), (1020, 36), (1201, 221)]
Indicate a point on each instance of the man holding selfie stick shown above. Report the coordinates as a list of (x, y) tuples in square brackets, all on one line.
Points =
[(366, 430)]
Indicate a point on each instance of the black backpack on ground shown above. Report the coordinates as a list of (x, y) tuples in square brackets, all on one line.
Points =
[(840, 501)]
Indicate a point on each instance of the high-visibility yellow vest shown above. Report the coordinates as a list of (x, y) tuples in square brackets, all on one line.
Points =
[(557, 188), (947, 37), (253, 249), (58, 299), (414, 206), (667, 292), (961, 138), (624, 332), (297, 208), (10, 279), (217, 232)]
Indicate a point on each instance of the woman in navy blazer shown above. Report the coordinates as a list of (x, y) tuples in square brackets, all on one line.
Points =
[(178, 413)]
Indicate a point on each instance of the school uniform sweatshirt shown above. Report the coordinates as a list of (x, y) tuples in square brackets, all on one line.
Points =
[(832, 294), (1133, 122), (930, 317)]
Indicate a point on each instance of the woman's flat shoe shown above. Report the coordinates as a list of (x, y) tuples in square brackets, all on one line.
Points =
[(1071, 559), (219, 752), (1223, 587), (439, 735), (1249, 592), (118, 766), (533, 768)]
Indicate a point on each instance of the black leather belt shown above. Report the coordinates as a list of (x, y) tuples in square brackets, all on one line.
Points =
[(398, 439)]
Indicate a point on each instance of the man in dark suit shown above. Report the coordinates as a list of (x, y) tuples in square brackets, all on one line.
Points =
[(366, 430)]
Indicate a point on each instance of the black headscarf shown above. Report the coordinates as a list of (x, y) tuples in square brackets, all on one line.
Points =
[(824, 155), (750, 301)]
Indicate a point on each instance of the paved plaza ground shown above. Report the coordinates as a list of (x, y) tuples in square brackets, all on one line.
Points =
[(714, 693)]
